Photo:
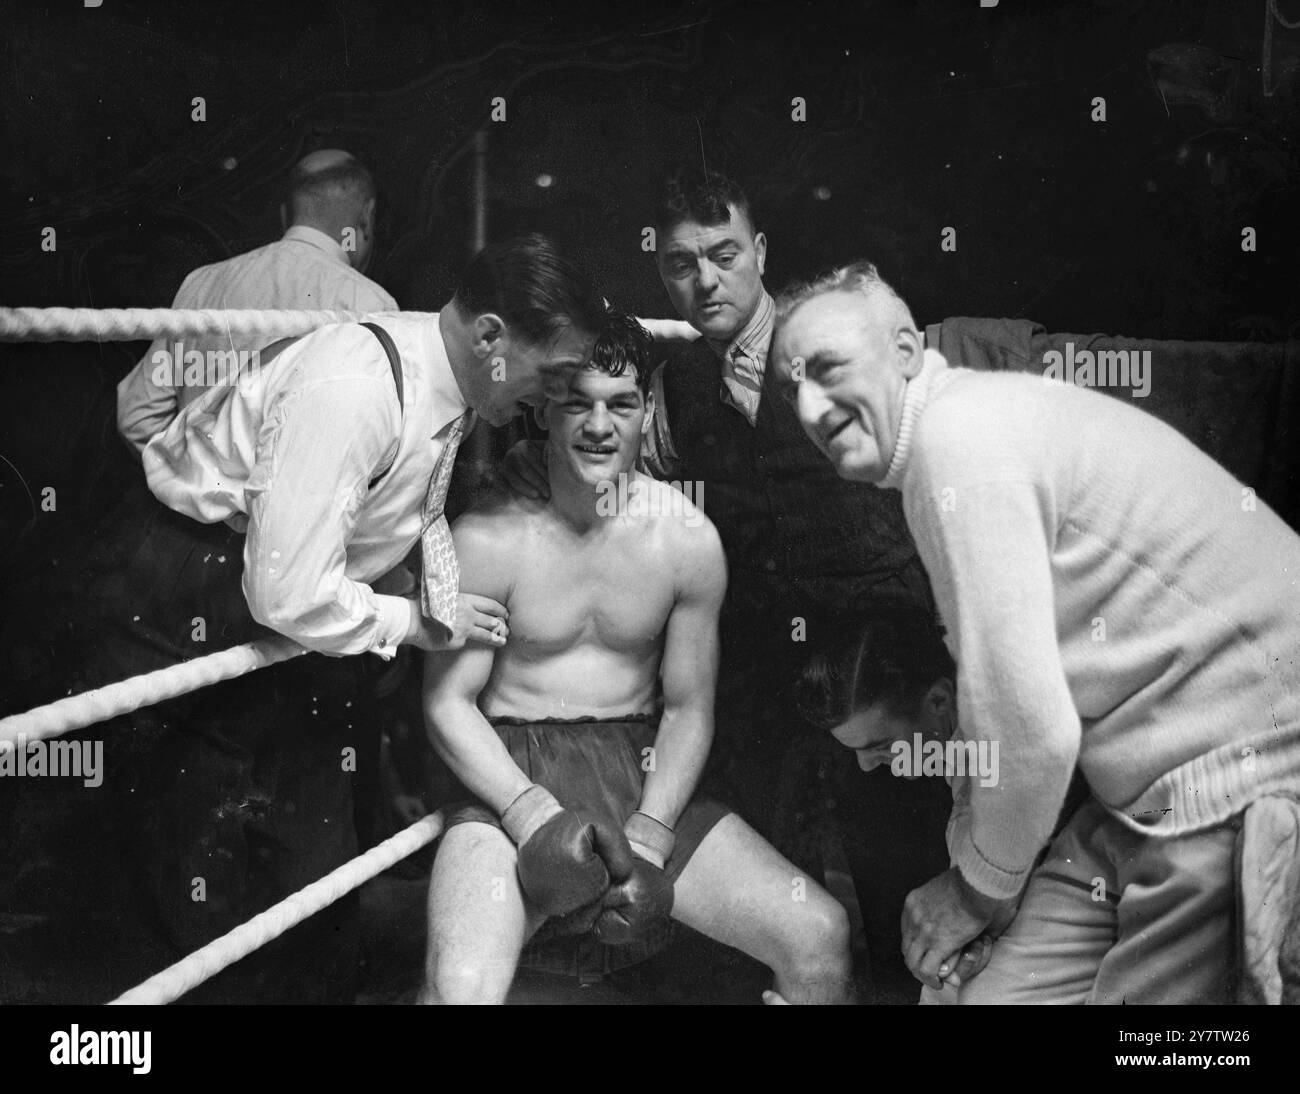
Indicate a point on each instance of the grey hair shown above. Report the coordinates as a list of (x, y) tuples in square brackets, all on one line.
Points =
[(860, 277)]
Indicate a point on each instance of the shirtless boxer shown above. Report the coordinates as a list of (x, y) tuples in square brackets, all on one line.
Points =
[(584, 816)]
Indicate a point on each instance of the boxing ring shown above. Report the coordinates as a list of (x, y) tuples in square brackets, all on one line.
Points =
[(98, 705)]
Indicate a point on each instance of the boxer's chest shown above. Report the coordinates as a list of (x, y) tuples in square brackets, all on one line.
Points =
[(614, 596)]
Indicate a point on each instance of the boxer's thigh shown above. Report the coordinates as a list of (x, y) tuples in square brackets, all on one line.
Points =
[(1176, 920), (1064, 928), (478, 921), (740, 891)]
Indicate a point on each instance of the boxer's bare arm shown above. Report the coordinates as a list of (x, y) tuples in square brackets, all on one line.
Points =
[(457, 729), (688, 671)]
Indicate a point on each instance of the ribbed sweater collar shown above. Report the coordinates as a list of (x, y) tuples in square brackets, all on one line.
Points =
[(933, 375)]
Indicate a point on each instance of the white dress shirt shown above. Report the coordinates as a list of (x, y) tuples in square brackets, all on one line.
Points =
[(305, 269), (287, 455)]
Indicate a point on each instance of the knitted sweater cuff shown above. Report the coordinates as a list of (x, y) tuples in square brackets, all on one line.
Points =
[(982, 875)]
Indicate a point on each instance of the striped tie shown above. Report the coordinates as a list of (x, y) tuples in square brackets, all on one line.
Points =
[(441, 572), (740, 381)]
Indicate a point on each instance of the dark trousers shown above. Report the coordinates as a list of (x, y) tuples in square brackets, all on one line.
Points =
[(224, 801)]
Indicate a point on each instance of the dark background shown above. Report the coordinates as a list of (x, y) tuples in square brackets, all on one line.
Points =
[(920, 116)]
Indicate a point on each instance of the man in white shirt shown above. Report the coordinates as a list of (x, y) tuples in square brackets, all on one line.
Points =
[(319, 264), (277, 503)]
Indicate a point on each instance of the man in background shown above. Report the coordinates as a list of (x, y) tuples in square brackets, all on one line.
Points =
[(319, 264)]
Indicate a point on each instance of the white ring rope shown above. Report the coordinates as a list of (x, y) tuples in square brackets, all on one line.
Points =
[(139, 324), (220, 953), (101, 704)]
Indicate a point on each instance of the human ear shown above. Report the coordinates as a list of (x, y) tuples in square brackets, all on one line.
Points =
[(940, 702), (487, 335), (911, 351)]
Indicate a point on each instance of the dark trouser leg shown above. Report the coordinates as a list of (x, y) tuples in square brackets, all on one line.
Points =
[(768, 765), (892, 830)]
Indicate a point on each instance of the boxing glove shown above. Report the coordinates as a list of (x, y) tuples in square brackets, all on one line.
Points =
[(638, 908), (564, 860)]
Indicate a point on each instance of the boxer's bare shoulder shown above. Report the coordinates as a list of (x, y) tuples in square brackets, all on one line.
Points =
[(489, 539), (677, 527)]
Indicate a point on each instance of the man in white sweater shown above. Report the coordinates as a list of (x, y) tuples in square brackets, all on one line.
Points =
[(1113, 598)]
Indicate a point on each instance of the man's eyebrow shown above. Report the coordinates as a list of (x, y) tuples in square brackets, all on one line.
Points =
[(724, 245), (818, 361)]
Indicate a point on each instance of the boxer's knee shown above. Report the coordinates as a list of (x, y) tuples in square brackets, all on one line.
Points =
[(461, 982), (814, 953)]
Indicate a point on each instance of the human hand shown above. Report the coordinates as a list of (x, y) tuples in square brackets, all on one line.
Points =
[(478, 619), (523, 469), (940, 919), (965, 966), (670, 333)]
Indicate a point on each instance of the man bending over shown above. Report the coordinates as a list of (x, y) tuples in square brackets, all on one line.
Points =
[(583, 816)]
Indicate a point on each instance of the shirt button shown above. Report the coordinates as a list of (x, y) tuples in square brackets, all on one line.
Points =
[(769, 565), (710, 439)]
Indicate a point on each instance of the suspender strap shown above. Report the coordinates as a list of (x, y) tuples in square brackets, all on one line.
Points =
[(395, 363)]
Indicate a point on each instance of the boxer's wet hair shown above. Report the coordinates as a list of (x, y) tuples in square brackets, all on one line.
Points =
[(706, 197), (535, 288), (894, 660), (622, 344), (860, 277)]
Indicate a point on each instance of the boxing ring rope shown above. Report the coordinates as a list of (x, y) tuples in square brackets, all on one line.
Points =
[(139, 324), (206, 962), (101, 704)]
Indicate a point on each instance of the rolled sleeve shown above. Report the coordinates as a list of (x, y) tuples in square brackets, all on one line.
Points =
[(145, 408)]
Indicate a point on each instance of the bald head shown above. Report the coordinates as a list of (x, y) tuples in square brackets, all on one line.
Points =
[(333, 192)]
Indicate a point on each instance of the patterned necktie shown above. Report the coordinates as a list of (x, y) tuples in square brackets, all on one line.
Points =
[(740, 381), (441, 571)]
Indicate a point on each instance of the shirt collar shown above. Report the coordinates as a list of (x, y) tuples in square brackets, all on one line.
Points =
[(754, 338), (915, 397), (449, 401), (314, 237)]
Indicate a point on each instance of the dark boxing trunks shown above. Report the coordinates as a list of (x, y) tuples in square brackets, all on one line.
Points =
[(594, 767)]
